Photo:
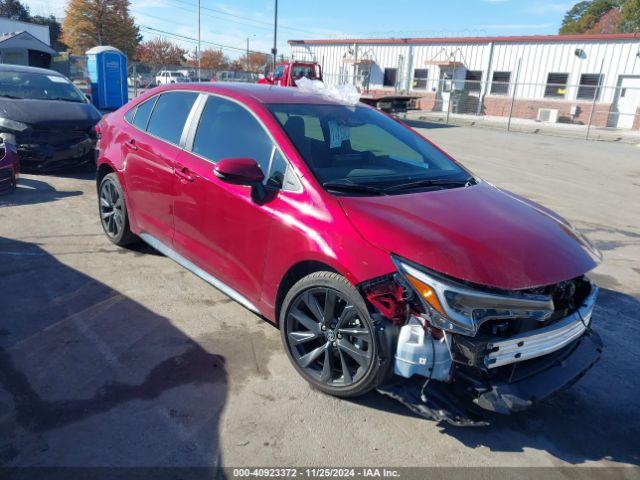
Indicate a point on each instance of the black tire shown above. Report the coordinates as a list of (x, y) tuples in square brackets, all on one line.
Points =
[(112, 209), (344, 338)]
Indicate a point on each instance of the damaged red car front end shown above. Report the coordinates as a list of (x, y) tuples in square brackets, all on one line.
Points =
[(492, 307)]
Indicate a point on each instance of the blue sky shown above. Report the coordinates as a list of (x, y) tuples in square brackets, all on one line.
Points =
[(231, 22)]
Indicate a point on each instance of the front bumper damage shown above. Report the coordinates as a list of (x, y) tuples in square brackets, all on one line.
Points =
[(47, 157), (532, 383), (489, 374), (470, 401)]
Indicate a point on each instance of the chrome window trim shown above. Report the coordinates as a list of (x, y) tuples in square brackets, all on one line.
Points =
[(544, 340), (192, 267)]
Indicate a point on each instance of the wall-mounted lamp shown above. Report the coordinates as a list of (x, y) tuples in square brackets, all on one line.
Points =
[(580, 53)]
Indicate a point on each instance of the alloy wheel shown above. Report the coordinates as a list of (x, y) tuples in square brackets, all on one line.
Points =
[(111, 213), (328, 338)]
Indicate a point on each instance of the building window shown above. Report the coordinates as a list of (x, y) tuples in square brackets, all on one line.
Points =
[(420, 76), (473, 80), (390, 77), (556, 85), (589, 86), (500, 83)]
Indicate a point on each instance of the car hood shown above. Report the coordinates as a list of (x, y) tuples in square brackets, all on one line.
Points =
[(480, 234), (49, 113)]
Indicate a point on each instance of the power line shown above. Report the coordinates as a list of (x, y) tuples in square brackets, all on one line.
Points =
[(210, 16), (268, 25), (195, 40)]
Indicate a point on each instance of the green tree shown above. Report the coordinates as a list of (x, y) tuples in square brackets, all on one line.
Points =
[(584, 16), (55, 30), (630, 21), (89, 23), (14, 9), (160, 52)]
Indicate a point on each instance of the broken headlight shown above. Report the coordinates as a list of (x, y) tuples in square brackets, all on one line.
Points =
[(459, 308), (6, 124)]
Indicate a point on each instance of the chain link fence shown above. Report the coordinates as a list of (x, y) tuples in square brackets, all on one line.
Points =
[(142, 76), (591, 111)]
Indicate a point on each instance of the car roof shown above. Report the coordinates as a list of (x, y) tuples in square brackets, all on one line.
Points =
[(6, 67), (259, 92)]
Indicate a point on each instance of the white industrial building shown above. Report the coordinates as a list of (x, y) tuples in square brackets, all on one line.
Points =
[(575, 77), (24, 43)]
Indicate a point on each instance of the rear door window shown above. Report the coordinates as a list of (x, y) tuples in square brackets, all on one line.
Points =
[(170, 114)]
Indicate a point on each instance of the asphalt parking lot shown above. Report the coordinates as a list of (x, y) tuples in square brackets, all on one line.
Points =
[(114, 357)]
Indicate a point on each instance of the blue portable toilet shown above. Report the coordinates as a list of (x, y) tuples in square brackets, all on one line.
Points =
[(107, 70)]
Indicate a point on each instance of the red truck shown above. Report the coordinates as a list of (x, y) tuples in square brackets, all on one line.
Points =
[(286, 74)]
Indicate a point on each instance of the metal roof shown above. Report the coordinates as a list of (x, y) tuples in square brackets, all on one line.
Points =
[(5, 37), (442, 40)]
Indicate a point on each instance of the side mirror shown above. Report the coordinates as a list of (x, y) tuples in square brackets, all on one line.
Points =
[(239, 171), (243, 171)]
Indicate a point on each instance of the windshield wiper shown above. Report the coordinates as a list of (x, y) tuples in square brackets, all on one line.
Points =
[(65, 99), (352, 188), (6, 95), (431, 182)]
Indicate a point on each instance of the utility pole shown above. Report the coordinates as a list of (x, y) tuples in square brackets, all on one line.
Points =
[(274, 50), (199, 46), (247, 57)]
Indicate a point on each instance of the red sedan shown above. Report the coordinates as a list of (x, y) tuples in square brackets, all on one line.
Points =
[(378, 255)]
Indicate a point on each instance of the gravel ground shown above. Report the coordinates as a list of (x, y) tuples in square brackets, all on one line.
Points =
[(114, 357)]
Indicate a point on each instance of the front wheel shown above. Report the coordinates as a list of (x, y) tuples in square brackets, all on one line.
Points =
[(329, 337)]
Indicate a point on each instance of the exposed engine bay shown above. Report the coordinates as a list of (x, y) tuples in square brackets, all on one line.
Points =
[(462, 352)]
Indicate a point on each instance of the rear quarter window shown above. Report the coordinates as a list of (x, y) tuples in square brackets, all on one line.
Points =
[(142, 112), (130, 115)]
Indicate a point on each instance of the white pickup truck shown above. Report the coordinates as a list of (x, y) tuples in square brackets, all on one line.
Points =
[(171, 76)]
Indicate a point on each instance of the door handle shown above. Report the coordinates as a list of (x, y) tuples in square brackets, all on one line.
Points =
[(131, 144), (183, 173)]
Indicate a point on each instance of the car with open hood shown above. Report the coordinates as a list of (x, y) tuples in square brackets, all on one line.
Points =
[(52, 121), (384, 262)]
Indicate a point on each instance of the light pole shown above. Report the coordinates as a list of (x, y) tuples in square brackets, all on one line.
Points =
[(274, 50), (246, 58), (199, 46)]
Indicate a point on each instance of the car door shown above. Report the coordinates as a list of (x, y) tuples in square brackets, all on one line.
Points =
[(217, 225), (150, 154)]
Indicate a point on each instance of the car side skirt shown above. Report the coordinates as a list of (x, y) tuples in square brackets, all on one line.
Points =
[(193, 268)]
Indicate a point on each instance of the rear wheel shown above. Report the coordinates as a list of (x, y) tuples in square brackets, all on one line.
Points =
[(329, 336), (113, 211)]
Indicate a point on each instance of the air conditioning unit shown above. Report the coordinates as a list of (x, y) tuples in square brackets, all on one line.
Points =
[(548, 115)]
